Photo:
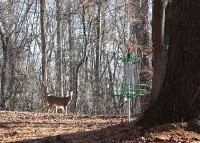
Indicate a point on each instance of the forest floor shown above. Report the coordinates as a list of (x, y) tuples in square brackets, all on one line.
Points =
[(27, 127)]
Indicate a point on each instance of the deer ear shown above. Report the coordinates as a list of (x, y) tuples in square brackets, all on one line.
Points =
[(47, 94)]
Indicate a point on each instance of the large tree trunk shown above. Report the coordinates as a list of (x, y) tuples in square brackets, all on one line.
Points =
[(159, 50), (179, 97)]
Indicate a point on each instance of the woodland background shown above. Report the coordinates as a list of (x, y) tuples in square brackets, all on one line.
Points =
[(54, 45), (51, 46)]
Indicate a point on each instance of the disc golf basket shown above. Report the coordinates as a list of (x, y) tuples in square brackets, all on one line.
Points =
[(130, 86)]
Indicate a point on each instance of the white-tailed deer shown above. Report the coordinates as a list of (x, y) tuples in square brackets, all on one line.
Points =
[(54, 101)]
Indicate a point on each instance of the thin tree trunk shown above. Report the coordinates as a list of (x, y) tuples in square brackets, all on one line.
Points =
[(98, 47), (4, 68), (72, 77), (44, 56), (59, 53), (82, 60)]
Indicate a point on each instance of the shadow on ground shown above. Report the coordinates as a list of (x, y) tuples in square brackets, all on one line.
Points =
[(112, 134)]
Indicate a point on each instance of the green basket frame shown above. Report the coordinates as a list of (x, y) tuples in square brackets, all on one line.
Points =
[(128, 90), (128, 58)]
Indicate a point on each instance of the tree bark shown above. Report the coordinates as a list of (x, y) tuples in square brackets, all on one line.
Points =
[(179, 97), (59, 53), (83, 59), (159, 50), (98, 47), (44, 56), (4, 68), (73, 61)]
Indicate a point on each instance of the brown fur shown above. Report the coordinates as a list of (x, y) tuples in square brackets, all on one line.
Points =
[(54, 101)]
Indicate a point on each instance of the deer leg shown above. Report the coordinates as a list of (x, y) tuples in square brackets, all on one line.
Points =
[(65, 108), (52, 109), (49, 108), (56, 109)]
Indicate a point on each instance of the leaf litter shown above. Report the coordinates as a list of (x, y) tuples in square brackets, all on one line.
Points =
[(27, 127)]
